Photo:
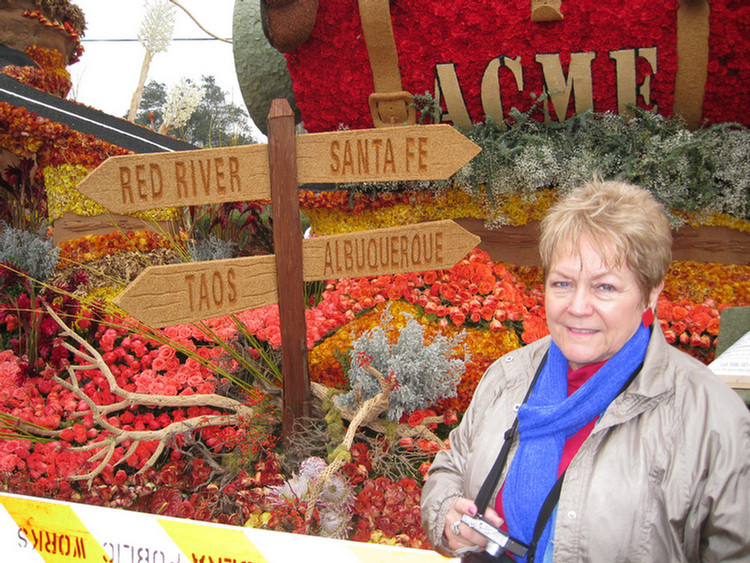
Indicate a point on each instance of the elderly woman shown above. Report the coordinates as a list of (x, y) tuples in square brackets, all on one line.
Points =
[(617, 446)]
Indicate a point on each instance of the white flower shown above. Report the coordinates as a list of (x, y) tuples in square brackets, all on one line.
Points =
[(157, 26), (182, 101)]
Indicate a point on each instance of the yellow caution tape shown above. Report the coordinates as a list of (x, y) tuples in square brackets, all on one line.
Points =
[(34, 530)]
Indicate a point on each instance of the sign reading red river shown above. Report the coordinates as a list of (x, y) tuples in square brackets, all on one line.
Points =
[(354, 63)]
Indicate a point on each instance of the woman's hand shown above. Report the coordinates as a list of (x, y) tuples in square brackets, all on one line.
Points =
[(462, 538)]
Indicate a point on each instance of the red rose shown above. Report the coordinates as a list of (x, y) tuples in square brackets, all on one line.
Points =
[(416, 418)]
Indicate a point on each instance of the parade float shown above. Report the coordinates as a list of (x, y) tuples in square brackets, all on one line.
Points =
[(185, 420)]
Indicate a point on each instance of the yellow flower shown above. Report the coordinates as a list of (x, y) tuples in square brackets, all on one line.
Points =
[(62, 194)]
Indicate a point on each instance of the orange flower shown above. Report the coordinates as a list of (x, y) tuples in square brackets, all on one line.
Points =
[(406, 442), (457, 318), (679, 312), (450, 417), (713, 327), (448, 292), (428, 446), (416, 418), (429, 277)]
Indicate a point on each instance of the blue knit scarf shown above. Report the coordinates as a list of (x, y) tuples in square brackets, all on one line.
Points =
[(547, 419)]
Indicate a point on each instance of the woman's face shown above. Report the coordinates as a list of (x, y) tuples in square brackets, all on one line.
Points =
[(592, 309)]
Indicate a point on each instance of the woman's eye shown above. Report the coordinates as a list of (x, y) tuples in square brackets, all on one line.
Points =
[(606, 287)]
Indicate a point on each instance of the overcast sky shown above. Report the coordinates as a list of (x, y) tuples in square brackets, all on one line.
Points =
[(107, 74)]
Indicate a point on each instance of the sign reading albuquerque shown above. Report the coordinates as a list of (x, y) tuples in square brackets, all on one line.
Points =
[(177, 294)]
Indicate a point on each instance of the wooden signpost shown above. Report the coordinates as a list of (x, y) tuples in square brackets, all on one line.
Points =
[(182, 293)]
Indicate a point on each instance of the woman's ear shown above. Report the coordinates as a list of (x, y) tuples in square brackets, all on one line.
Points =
[(653, 297), (650, 312)]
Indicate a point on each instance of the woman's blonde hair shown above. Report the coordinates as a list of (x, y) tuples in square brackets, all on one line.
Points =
[(618, 217)]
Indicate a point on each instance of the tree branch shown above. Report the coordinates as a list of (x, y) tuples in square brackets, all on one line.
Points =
[(107, 444)]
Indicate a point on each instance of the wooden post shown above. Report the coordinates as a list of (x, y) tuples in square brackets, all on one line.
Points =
[(287, 240)]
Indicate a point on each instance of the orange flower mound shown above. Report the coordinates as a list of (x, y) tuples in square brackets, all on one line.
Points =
[(482, 345), (51, 76), (90, 247), (726, 284), (502, 307)]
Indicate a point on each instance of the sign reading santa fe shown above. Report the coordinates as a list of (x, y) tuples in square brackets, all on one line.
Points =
[(485, 57), (131, 183)]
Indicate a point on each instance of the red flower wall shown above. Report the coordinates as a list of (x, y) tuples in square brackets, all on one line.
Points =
[(332, 77)]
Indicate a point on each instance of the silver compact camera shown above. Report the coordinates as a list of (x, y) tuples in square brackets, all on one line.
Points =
[(498, 542)]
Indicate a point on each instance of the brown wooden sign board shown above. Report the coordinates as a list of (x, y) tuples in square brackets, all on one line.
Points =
[(129, 183), (178, 294)]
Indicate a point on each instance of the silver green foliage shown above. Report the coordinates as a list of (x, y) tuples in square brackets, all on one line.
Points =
[(33, 253), (425, 372), (703, 171)]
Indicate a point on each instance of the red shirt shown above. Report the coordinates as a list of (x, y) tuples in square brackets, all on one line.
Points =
[(576, 378)]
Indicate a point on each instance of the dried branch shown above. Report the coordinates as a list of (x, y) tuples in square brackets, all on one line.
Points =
[(107, 444), (377, 424), (366, 414)]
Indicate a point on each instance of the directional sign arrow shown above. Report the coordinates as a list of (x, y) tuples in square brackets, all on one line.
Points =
[(410, 248), (177, 294), (124, 184), (181, 293), (418, 152)]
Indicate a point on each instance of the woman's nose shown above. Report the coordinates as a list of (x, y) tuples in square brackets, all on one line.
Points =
[(580, 301)]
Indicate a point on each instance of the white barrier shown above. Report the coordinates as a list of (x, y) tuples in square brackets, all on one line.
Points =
[(34, 530)]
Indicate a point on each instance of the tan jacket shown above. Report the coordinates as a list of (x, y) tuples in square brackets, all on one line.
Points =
[(664, 477)]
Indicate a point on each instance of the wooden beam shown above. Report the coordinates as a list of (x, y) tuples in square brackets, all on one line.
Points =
[(287, 239)]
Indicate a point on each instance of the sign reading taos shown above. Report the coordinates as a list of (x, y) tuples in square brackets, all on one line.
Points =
[(176, 294), (125, 184)]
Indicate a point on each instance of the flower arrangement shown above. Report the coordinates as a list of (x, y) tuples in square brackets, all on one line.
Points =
[(184, 421), (90, 247), (493, 303), (61, 15), (51, 76), (25, 133), (72, 24), (332, 78), (700, 176)]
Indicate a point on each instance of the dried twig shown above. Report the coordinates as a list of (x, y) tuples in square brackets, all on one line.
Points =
[(107, 445), (367, 414), (377, 424)]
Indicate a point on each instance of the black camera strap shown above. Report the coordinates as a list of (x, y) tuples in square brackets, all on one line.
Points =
[(484, 496)]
